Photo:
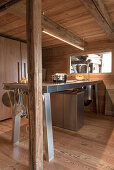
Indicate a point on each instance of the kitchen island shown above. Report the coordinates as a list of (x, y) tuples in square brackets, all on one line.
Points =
[(47, 88)]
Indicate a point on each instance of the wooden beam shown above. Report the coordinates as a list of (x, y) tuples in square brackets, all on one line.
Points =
[(18, 9), (102, 9), (50, 26), (35, 84), (6, 5), (12, 38), (97, 9), (55, 30)]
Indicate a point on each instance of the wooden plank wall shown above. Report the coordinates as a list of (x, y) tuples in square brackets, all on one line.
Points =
[(57, 59), (9, 57)]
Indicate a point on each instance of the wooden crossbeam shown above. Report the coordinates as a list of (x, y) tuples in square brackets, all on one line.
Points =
[(102, 9), (13, 38), (6, 5), (50, 27), (59, 32), (97, 9)]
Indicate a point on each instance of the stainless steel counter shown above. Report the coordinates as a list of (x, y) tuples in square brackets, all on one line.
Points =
[(50, 87)]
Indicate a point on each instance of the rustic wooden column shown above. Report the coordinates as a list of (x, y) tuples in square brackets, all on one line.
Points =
[(35, 84)]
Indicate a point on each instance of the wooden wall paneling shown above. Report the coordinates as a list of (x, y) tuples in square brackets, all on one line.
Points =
[(109, 100), (57, 59), (4, 111), (12, 57), (34, 49), (9, 58)]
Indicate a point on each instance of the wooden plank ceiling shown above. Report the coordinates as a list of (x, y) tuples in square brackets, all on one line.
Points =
[(2, 2), (70, 14)]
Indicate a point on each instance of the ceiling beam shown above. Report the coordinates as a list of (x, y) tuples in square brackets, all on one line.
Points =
[(50, 27), (18, 9), (97, 9), (55, 30), (102, 9), (8, 4), (12, 38)]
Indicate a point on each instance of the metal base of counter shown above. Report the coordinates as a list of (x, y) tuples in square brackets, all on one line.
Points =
[(68, 109)]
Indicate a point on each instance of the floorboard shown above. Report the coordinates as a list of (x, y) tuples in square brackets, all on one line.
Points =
[(91, 148)]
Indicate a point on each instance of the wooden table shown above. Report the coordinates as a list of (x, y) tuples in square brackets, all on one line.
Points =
[(47, 89)]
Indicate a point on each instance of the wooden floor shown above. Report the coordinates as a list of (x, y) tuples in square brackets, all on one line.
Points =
[(91, 148)]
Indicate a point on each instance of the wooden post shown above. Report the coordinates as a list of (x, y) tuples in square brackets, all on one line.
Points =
[(35, 84)]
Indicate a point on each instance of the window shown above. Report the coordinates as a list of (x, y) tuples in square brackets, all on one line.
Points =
[(94, 63)]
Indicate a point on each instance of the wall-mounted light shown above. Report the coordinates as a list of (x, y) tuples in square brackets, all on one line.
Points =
[(77, 46)]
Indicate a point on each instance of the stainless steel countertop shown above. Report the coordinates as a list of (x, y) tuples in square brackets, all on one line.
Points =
[(49, 87)]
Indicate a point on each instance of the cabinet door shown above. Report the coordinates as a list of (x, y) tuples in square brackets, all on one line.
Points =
[(9, 58), (24, 60), (70, 111), (80, 110), (57, 109)]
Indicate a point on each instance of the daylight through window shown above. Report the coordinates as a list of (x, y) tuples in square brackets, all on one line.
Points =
[(93, 63)]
